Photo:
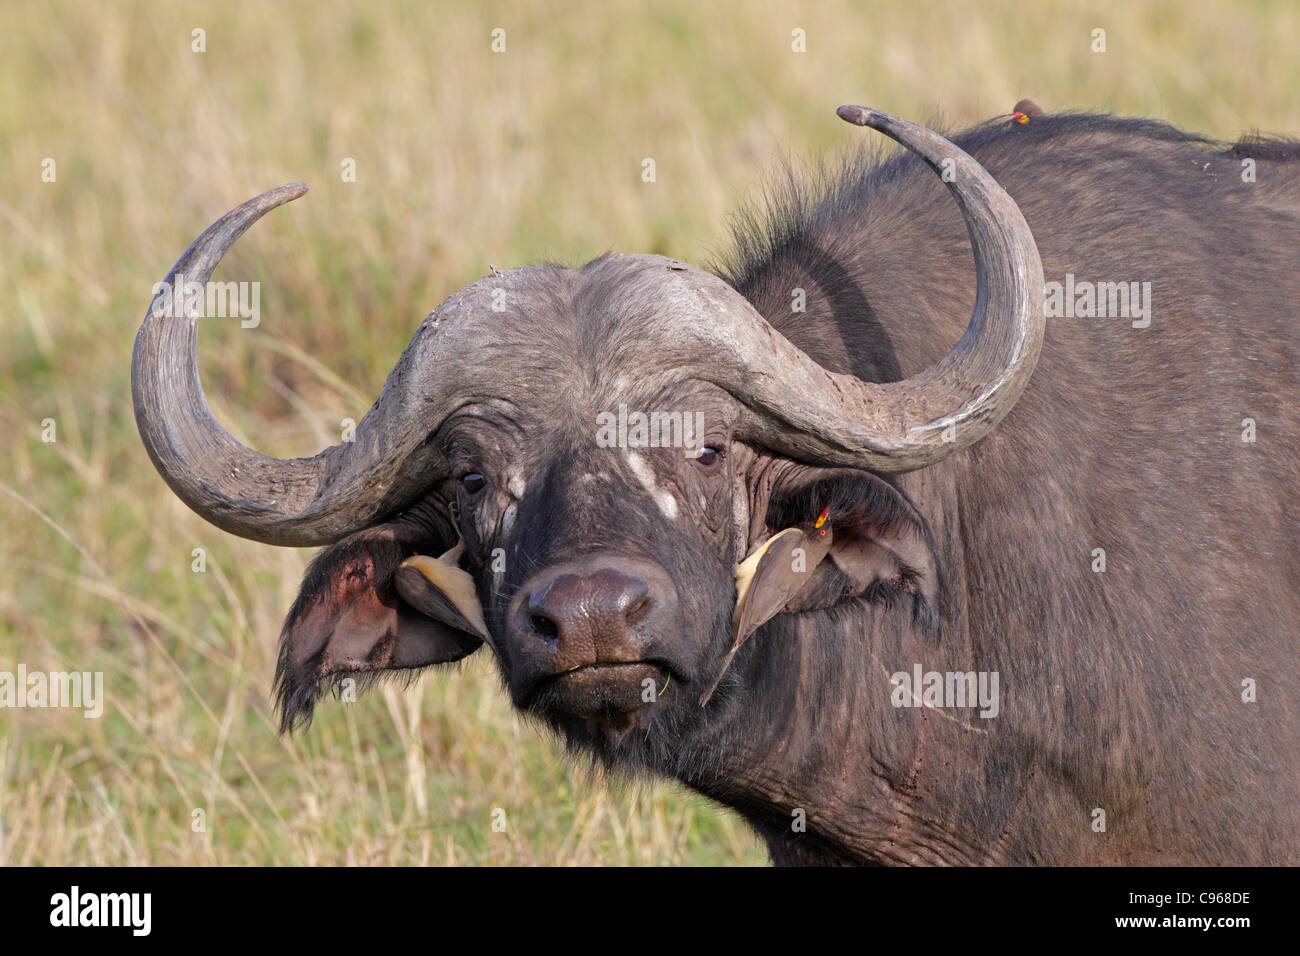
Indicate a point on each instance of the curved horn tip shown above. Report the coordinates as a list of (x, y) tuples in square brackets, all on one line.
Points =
[(857, 115), (283, 194)]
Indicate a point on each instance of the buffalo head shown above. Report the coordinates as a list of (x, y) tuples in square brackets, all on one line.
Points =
[(611, 475)]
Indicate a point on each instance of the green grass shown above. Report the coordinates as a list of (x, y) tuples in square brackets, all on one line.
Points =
[(464, 158)]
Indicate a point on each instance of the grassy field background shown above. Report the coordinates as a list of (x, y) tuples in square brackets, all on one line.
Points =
[(464, 157)]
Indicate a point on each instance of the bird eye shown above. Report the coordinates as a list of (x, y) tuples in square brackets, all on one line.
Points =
[(473, 483)]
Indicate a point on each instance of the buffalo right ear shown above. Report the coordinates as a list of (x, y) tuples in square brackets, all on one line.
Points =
[(365, 611)]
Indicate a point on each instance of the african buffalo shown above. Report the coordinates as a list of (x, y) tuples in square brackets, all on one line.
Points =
[(738, 527)]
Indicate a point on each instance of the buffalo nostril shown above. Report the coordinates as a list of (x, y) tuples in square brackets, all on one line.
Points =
[(543, 627), (637, 609)]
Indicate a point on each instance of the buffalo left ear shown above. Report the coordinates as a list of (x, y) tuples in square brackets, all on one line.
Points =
[(845, 535), (881, 548), (365, 610)]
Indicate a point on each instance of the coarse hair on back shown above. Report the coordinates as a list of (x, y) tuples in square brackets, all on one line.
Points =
[(801, 199)]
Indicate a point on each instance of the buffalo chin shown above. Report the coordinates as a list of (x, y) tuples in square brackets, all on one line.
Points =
[(609, 699)]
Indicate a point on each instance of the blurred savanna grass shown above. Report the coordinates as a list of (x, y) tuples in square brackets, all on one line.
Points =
[(464, 158)]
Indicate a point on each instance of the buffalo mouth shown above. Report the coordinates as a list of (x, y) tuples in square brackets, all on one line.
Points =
[(611, 698)]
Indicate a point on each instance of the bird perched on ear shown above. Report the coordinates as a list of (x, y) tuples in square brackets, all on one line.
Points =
[(1023, 110), (767, 580)]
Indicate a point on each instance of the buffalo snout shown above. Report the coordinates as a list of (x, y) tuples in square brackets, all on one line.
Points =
[(590, 632)]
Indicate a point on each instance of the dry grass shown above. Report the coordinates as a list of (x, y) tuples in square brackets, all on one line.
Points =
[(464, 158)]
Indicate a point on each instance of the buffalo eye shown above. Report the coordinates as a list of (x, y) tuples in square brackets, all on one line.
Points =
[(473, 483), (707, 456)]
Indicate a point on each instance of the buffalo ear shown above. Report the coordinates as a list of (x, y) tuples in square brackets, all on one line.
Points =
[(351, 621), (834, 535), (886, 563), (880, 547)]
